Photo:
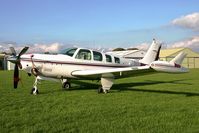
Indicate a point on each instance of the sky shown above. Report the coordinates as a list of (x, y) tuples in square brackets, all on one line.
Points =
[(98, 23)]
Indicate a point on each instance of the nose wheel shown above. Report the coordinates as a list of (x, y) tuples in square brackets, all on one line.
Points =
[(34, 91)]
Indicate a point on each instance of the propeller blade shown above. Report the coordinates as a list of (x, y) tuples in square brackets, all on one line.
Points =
[(19, 65), (13, 51), (12, 59), (23, 51), (16, 76)]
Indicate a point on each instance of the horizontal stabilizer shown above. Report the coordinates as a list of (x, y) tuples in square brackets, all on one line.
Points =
[(179, 58)]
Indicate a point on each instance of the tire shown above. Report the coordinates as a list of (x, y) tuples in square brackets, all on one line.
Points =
[(66, 85), (100, 90), (32, 91)]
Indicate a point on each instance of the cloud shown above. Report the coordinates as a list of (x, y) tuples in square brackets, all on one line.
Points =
[(143, 46), (52, 48), (36, 48), (4, 47), (192, 43), (190, 21)]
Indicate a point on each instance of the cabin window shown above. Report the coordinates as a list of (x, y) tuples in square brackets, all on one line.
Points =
[(69, 51), (117, 60), (83, 54), (108, 58), (97, 56)]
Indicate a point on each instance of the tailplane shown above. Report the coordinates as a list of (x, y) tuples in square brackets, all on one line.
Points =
[(152, 53), (174, 66), (179, 58)]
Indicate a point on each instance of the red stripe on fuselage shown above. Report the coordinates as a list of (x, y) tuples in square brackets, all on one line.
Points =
[(176, 65), (73, 63)]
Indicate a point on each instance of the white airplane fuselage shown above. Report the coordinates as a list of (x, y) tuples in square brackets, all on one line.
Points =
[(62, 66), (82, 63)]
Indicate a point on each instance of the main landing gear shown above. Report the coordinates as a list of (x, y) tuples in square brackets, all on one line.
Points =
[(101, 90), (106, 85), (65, 84)]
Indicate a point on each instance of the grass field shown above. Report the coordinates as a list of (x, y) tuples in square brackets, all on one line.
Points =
[(154, 103)]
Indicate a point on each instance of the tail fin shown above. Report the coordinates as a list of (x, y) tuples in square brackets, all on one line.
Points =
[(152, 53), (179, 58)]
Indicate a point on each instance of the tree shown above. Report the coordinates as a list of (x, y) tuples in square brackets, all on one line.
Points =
[(46, 52), (118, 49), (132, 49)]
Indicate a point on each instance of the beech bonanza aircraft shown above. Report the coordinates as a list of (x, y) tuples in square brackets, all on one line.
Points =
[(81, 63)]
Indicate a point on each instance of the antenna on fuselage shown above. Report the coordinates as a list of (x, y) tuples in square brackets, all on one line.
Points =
[(102, 50)]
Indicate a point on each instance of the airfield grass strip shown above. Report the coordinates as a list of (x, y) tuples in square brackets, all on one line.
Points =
[(153, 103)]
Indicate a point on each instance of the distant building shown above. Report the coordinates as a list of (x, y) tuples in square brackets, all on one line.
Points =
[(130, 54), (191, 60), (4, 64)]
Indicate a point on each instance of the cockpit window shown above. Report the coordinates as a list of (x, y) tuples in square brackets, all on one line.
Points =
[(69, 51), (97, 56), (84, 54)]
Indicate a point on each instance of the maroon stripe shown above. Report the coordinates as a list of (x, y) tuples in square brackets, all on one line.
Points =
[(72, 63), (142, 64), (178, 66)]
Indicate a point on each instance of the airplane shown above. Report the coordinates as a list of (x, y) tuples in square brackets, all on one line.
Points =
[(83, 63)]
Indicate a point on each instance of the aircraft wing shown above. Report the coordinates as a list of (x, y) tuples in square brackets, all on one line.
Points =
[(113, 72)]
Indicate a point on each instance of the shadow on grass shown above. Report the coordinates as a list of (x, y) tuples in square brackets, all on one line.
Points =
[(150, 82), (188, 94), (130, 87), (126, 87), (85, 85)]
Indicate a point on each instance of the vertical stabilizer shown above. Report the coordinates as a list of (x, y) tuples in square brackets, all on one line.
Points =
[(179, 58), (152, 53)]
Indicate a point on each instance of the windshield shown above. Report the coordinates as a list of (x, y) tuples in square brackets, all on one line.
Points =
[(69, 51)]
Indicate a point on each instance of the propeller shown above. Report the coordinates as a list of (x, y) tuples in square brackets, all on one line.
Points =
[(16, 60)]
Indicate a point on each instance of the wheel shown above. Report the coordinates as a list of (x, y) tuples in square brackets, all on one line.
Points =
[(34, 92), (100, 90), (66, 85), (105, 91)]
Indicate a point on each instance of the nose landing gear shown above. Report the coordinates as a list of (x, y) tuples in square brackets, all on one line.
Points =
[(34, 90)]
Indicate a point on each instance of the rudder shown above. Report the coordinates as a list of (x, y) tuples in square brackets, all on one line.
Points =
[(152, 53)]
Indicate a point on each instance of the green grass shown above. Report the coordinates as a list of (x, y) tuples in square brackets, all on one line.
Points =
[(154, 103)]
